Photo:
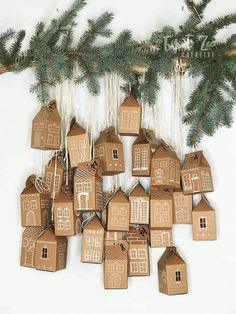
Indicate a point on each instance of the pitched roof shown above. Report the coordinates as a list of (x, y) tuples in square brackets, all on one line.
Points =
[(165, 151), (48, 235), (49, 111), (76, 129), (146, 136), (113, 250), (30, 186), (108, 136), (138, 191), (130, 101), (88, 169), (33, 232), (64, 197), (203, 205), (161, 194), (194, 160), (170, 257), (94, 224), (119, 197)]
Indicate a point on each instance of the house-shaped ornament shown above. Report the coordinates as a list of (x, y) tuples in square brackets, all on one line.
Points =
[(172, 273), (204, 222), (109, 150), (143, 149), (46, 128), (116, 265), (51, 251), (78, 144), (29, 238), (196, 174), (88, 188), (165, 167), (139, 205), (182, 207), (118, 212), (35, 204), (160, 237), (129, 117), (93, 242), (113, 235)]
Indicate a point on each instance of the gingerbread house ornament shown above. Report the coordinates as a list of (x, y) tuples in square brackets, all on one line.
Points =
[(129, 117), (160, 237), (196, 174), (165, 167), (35, 204), (88, 188), (78, 144), (93, 242), (116, 265), (172, 273), (204, 221), (143, 149), (46, 128), (50, 251), (109, 150), (139, 205), (118, 213), (182, 207)]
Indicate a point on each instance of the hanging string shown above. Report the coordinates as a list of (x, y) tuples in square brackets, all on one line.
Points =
[(87, 219)]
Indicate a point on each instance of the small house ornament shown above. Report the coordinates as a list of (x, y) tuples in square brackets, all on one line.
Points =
[(139, 205), (116, 265), (109, 150), (46, 128), (78, 144), (172, 273), (165, 167), (182, 207), (160, 237), (88, 187), (51, 251), (204, 222), (93, 242), (196, 174), (113, 235), (35, 203), (129, 117), (118, 213), (29, 237), (142, 151)]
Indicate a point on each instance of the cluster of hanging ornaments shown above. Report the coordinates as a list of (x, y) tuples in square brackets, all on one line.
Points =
[(117, 228)]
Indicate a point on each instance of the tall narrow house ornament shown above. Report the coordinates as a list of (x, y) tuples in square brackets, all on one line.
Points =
[(142, 151), (129, 117), (139, 205), (196, 174), (165, 167), (182, 207), (109, 150), (46, 128), (172, 273), (78, 144)]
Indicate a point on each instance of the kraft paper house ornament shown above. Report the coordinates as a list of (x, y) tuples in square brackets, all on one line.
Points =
[(109, 150), (118, 213), (88, 188), (51, 251), (160, 237), (116, 265), (196, 174), (172, 273), (182, 207), (78, 144), (139, 205), (204, 222), (129, 117), (93, 242), (35, 203), (165, 167), (46, 128), (142, 151), (113, 235), (29, 238)]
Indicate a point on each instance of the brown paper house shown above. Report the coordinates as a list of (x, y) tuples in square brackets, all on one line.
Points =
[(29, 238), (109, 150), (118, 215), (160, 237), (51, 251), (116, 265), (139, 205), (78, 145), (196, 174), (65, 219), (142, 152), (46, 128), (204, 223), (165, 167), (129, 117), (93, 242), (113, 235), (35, 205), (182, 207), (88, 188), (172, 273)]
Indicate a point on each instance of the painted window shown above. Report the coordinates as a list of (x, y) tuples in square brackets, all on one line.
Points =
[(120, 268), (172, 171), (50, 139), (144, 211), (134, 211), (25, 242), (206, 180), (177, 276), (134, 120), (111, 268), (142, 253), (202, 222), (143, 267), (145, 158), (88, 255), (125, 119), (187, 181), (60, 224), (115, 154), (33, 204), (133, 254), (115, 211), (87, 185), (48, 178), (163, 164), (67, 224), (123, 211), (95, 152), (59, 212), (89, 240), (66, 212), (57, 180), (96, 256), (26, 205), (79, 186), (137, 158), (53, 128), (45, 253), (123, 223), (101, 151), (134, 267), (97, 242)]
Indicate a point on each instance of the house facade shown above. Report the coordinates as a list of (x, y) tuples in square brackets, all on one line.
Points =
[(182, 207), (139, 205), (138, 258), (161, 237)]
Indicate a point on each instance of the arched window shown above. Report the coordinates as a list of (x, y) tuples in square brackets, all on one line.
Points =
[(66, 212), (79, 186), (67, 224), (87, 185), (59, 212), (60, 224)]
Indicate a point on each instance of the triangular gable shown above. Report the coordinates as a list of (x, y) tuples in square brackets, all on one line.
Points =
[(76, 129), (165, 151), (30, 186), (48, 112), (130, 101), (194, 161), (203, 205), (119, 197), (64, 197), (108, 136), (89, 169), (146, 136), (48, 235), (94, 224), (170, 257), (161, 194), (138, 191)]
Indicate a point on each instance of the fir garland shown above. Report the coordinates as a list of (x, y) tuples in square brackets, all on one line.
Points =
[(54, 57)]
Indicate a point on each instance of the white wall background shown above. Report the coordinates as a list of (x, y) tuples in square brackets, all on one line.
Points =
[(79, 288)]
